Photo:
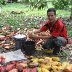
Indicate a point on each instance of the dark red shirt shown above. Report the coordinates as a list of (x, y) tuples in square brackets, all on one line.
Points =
[(57, 29)]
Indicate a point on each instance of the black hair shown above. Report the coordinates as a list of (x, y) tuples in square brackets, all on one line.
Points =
[(51, 10)]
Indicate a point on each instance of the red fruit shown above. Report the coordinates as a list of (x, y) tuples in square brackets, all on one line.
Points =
[(10, 67), (12, 34), (20, 68), (2, 37), (6, 46), (13, 70), (26, 70), (34, 69), (2, 59), (70, 41), (1, 31), (2, 69)]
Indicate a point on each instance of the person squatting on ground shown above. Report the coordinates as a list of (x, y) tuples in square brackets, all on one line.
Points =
[(58, 33)]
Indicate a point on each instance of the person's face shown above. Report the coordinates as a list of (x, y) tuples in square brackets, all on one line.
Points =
[(51, 16)]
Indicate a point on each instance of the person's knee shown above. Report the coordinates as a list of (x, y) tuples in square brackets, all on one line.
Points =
[(47, 45), (60, 41)]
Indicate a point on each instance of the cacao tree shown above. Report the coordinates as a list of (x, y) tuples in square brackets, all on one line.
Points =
[(71, 10), (2, 2), (36, 3), (61, 4)]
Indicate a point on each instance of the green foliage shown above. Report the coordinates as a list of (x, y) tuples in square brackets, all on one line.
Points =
[(69, 27), (71, 14), (40, 4), (2, 2), (71, 10), (70, 33), (25, 1), (61, 4)]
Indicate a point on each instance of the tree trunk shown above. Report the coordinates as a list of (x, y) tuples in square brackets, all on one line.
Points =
[(71, 11), (9, 1), (71, 14), (14, 0)]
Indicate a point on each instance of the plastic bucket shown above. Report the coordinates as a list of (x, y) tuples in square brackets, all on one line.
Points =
[(29, 47)]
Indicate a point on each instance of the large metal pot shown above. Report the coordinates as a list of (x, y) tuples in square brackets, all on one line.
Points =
[(19, 41)]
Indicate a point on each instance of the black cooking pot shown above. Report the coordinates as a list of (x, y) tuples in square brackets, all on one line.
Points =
[(29, 47)]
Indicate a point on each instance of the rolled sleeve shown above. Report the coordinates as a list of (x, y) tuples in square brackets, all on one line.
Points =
[(45, 27)]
